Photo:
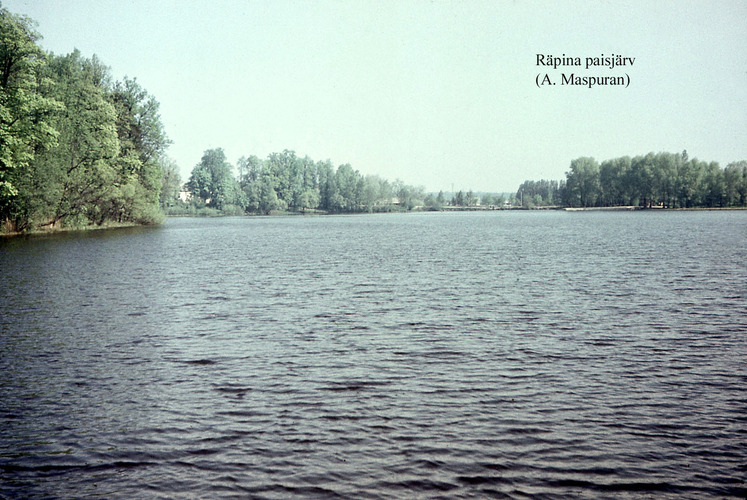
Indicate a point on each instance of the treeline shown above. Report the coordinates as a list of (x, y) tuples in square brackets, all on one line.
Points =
[(540, 193), (655, 180), (285, 181), (76, 147), (471, 199)]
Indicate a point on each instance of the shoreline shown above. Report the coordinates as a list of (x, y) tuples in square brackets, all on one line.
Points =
[(318, 213), (63, 230), (654, 209)]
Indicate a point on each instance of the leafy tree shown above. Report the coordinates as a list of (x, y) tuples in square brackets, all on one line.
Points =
[(170, 183), (142, 138), (688, 175), (470, 199), (77, 174), (25, 110), (212, 181), (713, 188), (249, 170), (346, 180), (308, 173), (403, 194), (327, 187), (138, 121), (308, 199), (612, 180), (434, 202), (285, 169), (582, 182), (268, 198), (665, 178), (370, 192), (142, 145), (641, 178), (735, 180), (440, 199), (459, 199), (386, 194)]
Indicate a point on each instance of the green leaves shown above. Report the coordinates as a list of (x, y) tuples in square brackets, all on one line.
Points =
[(582, 182), (654, 180), (73, 146), (24, 111), (285, 181), (212, 181)]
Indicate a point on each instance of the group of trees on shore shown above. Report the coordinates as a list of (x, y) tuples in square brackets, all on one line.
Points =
[(76, 147), (540, 193), (657, 179), (285, 181)]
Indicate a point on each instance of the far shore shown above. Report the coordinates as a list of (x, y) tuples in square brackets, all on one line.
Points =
[(656, 209)]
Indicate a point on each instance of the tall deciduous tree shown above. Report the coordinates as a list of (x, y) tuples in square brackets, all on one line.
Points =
[(78, 173), (171, 183), (735, 178), (143, 143), (25, 110), (212, 180), (582, 183)]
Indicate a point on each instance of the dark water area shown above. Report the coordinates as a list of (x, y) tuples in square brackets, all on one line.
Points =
[(467, 355)]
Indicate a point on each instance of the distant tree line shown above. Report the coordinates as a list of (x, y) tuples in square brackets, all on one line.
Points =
[(656, 179), (284, 181), (76, 148), (540, 193), (470, 199)]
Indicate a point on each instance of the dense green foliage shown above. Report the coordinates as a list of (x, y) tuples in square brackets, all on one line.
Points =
[(75, 148), (654, 180), (540, 193), (285, 181)]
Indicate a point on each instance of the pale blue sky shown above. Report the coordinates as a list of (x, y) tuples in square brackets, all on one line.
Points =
[(436, 93)]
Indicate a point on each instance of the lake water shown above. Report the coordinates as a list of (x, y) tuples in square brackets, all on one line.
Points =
[(435, 355)]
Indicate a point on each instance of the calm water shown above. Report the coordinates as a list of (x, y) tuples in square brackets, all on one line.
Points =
[(548, 354)]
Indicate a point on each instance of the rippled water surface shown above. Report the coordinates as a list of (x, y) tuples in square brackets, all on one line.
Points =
[(504, 354)]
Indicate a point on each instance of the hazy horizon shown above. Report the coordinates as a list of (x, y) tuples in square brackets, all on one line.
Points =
[(436, 93)]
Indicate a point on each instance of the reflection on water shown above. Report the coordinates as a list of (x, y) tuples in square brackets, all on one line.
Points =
[(422, 355)]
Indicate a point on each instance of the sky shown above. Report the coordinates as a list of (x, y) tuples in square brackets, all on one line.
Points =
[(438, 93)]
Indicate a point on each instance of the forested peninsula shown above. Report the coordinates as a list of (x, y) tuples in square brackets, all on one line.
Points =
[(76, 147)]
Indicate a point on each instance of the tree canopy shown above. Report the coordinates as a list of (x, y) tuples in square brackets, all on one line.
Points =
[(285, 181), (669, 180), (76, 148)]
